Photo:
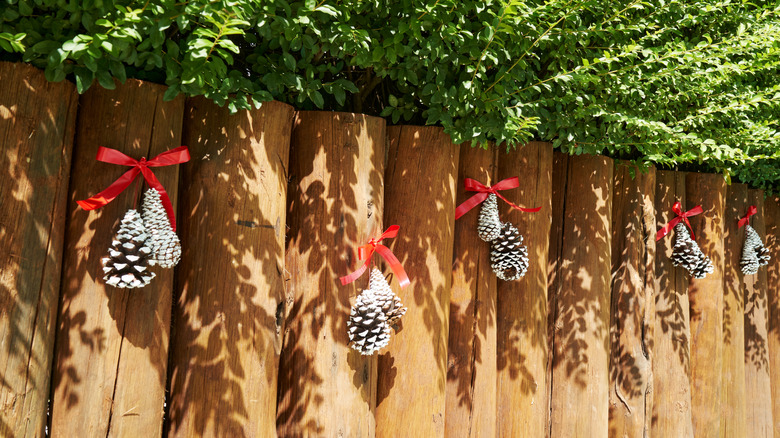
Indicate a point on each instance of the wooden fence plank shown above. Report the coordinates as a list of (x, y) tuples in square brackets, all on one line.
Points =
[(706, 301), (757, 371), (733, 397), (229, 308), (772, 241), (471, 352), (632, 312), (112, 344), (671, 336), (523, 395), (335, 205), (580, 380), (420, 180), (37, 124)]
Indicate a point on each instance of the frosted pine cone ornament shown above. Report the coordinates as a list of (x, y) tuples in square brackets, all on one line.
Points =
[(127, 264), (508, 255), (754, 253), (488, 223), (386, 298), (367, 325), (687, 254), (166, 248)]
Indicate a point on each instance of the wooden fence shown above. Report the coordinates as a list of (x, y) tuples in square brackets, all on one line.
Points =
[(603, 337)]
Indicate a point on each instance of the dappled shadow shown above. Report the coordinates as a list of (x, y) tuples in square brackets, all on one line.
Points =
[(757, 313), (772, 242)]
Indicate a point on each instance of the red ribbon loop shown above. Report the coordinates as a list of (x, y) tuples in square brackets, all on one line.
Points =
[(112, 156), (746, 219), (677, 209), (367, 250), (484, 191)]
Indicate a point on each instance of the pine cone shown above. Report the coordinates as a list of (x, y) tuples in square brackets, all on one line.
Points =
[(165, 244), (367, 325), (127, 263), (686, 253), (508, 255), (488, 224), (388, 301), (754, 253)]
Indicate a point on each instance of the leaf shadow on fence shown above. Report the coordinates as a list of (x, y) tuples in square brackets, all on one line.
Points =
[(772, 235), (733, 277)]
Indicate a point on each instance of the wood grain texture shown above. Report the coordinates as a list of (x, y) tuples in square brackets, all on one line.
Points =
[(471, 351), (706, 302), (632, 315), (580, 364), (772, 242), (335, 203), (671, 337), (757, 368), (37, 124), (523, 396), (112, 344), (420, 179), (733, 396), (229, 301)]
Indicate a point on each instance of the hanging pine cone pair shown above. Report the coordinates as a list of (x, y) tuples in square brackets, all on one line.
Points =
[(508, 255), (687, 254), (375, 311), (754, 253), (143, 240)]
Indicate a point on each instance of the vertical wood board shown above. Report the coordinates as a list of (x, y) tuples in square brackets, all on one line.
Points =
[(772, 242)]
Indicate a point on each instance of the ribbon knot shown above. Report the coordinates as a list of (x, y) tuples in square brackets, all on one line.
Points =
[(366, 251), (484, 191), (746, 218), (681, 217), (112, 156)]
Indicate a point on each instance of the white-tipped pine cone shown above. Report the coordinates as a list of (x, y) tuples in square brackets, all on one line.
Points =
[(754, 253), (508, 255), (488, 223), (687, 254), (387, 299), (127, 263), (163, 240), (367, 325)]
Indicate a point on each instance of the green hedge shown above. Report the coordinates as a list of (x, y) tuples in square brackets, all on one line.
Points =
[(676, 83)]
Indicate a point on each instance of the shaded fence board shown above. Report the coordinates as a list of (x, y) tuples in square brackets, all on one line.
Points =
[(37, 124), (471, 351), (523, 405), (420, 180), (632, 315), (336, 196), (112, 344), (772, 241), (757, 371), (229, 308), (706, 301), (580, 401), (671, 336), (733, 396)]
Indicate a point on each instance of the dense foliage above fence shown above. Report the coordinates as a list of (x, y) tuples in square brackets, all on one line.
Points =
[(668, 82)]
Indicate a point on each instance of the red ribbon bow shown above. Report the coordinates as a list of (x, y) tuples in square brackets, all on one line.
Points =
[(746, 219), (113, 156), (485, 191), (367, 250), (677, 209)]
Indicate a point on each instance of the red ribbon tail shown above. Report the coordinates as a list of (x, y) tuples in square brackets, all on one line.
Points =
[(395, 265), (469, 204), (345, 280), (527, 210), (111, 192)]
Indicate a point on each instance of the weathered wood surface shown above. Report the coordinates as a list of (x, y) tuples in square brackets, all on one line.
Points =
[(420, 188), (580, 364), (733, 396), (757, 367), (632, 315), (229, 306), (772, 242), (671, 336), (706, 302), (112, 344), (471, 351), (523, 395), (37, 124), (336, 203)]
